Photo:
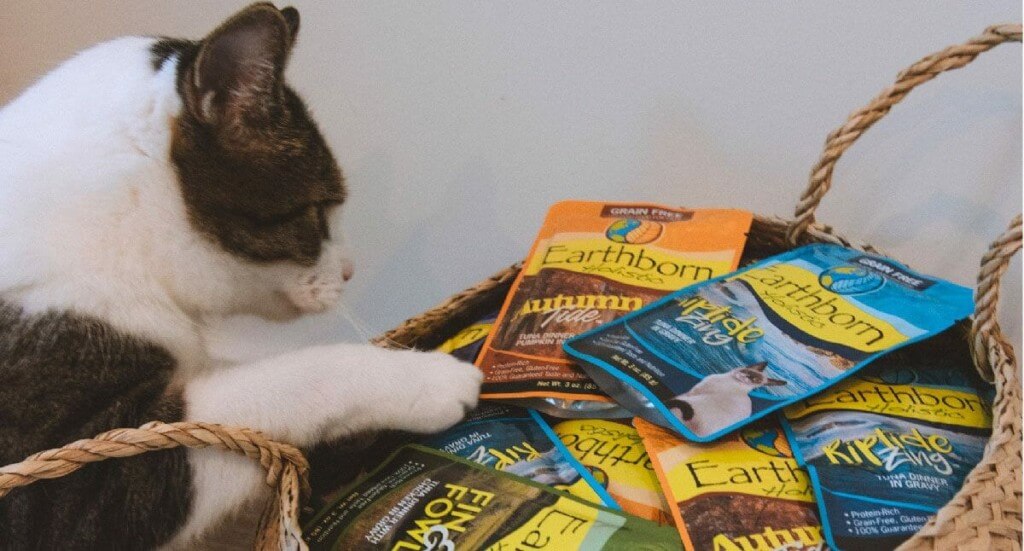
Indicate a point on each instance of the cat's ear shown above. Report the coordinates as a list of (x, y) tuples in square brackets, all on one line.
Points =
[(237, 77), (291, 16), (774, 382), (758, 367)]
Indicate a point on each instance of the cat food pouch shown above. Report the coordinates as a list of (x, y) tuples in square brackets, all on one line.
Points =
[(423, 499), (517, 441), (466, 344), (611, 449), (891, 445), (591, 263), (715, 356), (742, 493)]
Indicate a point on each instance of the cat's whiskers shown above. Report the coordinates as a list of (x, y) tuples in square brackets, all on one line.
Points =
[(363, 330), (395, 344), (357, 325)]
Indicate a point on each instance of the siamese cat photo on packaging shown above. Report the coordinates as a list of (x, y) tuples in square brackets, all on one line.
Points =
[(147, 185), (720, 400)]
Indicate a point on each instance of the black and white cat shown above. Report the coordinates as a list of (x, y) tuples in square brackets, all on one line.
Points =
[(720, 400), (146, 185)]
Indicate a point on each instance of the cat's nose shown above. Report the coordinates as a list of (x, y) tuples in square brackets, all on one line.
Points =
[(348, 269)]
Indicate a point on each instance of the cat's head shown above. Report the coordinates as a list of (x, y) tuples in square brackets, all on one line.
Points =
[(257, 178), (754, 376)]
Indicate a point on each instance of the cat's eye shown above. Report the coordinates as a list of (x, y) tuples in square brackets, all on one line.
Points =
[(320, 211)]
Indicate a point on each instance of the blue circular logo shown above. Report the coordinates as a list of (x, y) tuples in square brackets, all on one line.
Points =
[(632, 231), (766, 440), (619, 229), (850, 280)]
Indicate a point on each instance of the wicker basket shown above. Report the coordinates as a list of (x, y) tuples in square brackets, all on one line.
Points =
[(985, 514)]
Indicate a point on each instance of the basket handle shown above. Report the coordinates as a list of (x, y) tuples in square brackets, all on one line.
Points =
[(840, 139), (286, 467), (986, 335)]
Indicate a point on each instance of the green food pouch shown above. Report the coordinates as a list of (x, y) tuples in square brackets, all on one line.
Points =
[(715, 356), (891, 445), (423, 499), (517, 441)]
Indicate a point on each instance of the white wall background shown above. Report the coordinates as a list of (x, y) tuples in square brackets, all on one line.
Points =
[(457, 123)]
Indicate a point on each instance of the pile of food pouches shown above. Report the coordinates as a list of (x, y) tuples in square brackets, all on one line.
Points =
[(641, 394)]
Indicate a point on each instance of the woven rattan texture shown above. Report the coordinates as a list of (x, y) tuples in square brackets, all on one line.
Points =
[(285, 465)]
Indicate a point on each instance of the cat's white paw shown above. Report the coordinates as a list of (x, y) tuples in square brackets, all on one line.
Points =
[(442, 389)]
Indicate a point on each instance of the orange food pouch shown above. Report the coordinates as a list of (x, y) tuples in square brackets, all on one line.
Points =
[(592, 263), (744, 491)]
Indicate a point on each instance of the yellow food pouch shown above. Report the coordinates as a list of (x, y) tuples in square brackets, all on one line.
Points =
[(466, 344), (612, 451), (740, 493)]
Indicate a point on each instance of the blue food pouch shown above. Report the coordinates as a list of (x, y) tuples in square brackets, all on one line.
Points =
[(888, 447), (518, 441), (715, 356)]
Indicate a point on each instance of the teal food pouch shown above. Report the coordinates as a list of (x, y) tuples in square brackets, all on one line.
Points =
[(423, 499), (888, 447), (713, 357), (517, 441)]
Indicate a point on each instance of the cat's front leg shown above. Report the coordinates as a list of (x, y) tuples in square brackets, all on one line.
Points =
[(326, 392), (315, 395)]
